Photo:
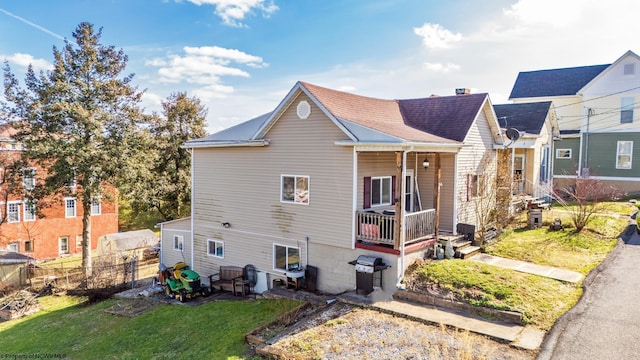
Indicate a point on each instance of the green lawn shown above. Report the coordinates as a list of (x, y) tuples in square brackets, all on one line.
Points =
[(210, 331), (541, 300)]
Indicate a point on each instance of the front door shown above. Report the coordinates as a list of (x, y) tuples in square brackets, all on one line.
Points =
[(518, 173), (408, 192)]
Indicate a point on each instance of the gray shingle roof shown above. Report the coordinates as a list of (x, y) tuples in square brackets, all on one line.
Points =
[(554, 82), (449, 117), (444, 120), (528, 117)]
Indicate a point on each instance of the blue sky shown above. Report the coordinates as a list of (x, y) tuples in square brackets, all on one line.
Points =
[(241, 57)]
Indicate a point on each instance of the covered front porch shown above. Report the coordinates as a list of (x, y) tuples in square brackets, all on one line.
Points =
[(405, 199)]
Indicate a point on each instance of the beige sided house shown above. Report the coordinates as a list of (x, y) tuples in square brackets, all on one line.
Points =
[(531, 152), (175, 241), (329, 176)]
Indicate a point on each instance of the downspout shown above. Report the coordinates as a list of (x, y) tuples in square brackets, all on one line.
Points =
[(399, 283), (192, 208)]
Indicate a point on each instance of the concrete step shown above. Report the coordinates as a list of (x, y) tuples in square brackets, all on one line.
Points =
[(469, 251)]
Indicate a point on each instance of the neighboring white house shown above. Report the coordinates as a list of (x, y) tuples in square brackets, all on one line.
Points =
[(599, 124)]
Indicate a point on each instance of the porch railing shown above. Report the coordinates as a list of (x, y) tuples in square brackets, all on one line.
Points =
[(379, 228)]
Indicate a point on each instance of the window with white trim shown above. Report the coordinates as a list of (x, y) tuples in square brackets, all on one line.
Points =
[(626, 110), (14, 247), (13, 211), (178, 242), (381, 190), (294, 189), (63, 245), (29, 210), (563, 153), (285, 257), (69, 207), (215, 248), (624, 155), (29, 178), (96, 207)]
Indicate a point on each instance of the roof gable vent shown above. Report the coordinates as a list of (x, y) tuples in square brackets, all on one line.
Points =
[(303, 110)]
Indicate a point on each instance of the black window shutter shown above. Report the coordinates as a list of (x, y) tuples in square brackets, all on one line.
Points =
[(367, 192)]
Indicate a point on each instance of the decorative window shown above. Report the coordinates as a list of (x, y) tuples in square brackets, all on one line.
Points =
[(28, 246), (215, 248), (624, 155), (13, 247), (29, 178), (294, 189), (13, 211), (63, 245), (69, 207), (626, 110), (96, 207), (563, 153), (29, 210), (178, 242), (285, 257), (303, 110)]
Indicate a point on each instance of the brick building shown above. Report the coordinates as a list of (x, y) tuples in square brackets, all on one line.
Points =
[(51, 227)]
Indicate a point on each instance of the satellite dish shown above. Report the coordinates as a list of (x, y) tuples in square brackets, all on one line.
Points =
[(513, 134)]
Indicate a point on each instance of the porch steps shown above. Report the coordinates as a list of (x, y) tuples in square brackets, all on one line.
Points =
[(469, 251), (462, 248)]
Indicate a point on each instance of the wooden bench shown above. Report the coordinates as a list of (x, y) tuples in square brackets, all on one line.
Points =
[(225, 279)]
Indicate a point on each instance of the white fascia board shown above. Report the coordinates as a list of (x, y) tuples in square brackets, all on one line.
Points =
[(405, 146)]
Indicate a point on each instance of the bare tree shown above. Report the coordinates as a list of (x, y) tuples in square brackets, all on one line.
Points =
[(584, 199)]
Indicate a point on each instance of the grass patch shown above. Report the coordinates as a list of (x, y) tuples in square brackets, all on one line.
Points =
[(567, 249), (541, 300), (211, 331)]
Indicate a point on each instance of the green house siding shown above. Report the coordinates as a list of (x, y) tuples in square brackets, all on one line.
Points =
[(602, 154), (566, 166)]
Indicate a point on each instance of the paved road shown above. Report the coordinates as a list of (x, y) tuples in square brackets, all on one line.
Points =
[(605, 324)]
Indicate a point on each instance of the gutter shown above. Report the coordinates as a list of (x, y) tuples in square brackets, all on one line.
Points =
[(215, 144)]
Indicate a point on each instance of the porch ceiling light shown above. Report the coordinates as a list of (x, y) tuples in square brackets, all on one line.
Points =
[(425, 163)]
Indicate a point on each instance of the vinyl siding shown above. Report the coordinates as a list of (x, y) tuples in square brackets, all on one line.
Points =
[(478, 150), (241, 185), (181, 227), (602, 154), (566, 166), (169, 255)]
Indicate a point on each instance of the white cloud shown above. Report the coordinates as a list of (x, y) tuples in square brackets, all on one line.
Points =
[(24, 60), (436, 37), (205, 65), (441, 67), (233, 12), (548, 12)]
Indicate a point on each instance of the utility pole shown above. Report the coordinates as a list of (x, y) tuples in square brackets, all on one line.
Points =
[(585, 169)]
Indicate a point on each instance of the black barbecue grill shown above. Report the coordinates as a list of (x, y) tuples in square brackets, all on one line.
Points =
[(366, 267)]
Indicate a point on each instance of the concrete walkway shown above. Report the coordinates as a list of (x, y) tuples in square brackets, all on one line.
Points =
[(523, 337), (526, 267)]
